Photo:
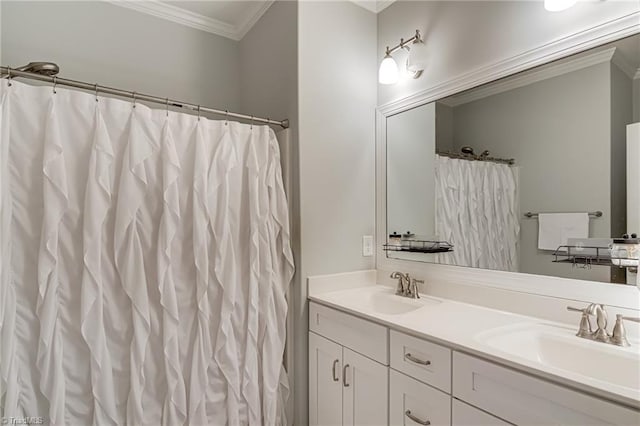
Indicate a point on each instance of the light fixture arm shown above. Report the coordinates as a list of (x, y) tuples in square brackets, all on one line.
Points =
[(403, 43)]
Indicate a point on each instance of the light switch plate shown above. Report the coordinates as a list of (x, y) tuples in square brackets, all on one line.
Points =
[(367, 245)]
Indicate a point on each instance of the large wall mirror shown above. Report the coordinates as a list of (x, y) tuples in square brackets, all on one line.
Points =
[(524, 174)]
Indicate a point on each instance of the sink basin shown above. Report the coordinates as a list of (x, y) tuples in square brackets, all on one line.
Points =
[(378, 300), (391, 304), (558, 347)]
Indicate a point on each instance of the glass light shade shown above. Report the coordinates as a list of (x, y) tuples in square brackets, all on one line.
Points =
[(417, 59), (558, 5), (388, 72)]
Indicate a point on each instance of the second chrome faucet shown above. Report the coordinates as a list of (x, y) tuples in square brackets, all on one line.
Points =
[(618, 336), (407, 286)]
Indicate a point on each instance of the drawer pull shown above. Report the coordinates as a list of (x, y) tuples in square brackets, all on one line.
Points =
[(416, 360), (335, 363), (344, 376), (415, 419)]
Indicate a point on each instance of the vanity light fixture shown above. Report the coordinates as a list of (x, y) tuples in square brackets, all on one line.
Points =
[(389, 72), (558, 5)]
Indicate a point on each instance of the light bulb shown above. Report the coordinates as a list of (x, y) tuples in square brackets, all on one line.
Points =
[(388, 72), (417, 60), (558, 5)]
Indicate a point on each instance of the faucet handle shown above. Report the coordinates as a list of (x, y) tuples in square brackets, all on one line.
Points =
[(414, 288), (585, 324), (619, 335)]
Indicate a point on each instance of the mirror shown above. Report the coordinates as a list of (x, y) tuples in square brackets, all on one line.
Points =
[(524, 174)]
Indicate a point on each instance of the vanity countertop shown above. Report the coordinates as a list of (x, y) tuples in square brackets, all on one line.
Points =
[(471, 329)]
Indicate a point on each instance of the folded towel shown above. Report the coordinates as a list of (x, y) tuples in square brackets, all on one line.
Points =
[(554, 229)]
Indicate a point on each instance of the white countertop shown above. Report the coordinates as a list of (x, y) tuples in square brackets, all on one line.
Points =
[(464, 327)]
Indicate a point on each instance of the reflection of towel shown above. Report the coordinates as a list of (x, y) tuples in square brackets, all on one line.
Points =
[(554, 229)]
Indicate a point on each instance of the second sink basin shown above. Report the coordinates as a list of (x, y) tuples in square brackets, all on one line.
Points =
[(558, 347)]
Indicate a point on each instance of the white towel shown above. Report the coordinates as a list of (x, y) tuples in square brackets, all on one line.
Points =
[(554, 229)]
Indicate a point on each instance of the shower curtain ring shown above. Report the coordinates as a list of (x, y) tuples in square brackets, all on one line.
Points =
[(95, 86), (251, 123), (55, 82), (226, 115), (167, 107), (9, 76), (135, 95), (198, 112)]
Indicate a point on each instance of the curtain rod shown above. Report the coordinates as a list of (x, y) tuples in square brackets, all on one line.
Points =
[(11, 73), (472, 157)]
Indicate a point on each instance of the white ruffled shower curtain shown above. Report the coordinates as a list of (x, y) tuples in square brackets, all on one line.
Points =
[(477, 212), (144, 262)]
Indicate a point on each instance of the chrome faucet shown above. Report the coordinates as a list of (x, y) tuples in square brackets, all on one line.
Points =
[(401, 289), (619, 335), (407, 286)]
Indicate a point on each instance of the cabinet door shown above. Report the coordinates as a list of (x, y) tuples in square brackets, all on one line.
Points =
[(365, 390), (325, 381), (466, 415), (525, 400), (412, 403)]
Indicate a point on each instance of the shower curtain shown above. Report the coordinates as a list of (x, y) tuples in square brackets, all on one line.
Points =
[(477, 212), (144, 262)]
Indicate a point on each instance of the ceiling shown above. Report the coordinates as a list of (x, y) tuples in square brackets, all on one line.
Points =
[(232, 18)]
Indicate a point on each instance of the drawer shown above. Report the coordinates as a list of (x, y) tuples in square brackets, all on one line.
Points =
[(465, 415), (422, 360), (526, 400), (411, 398), (364, 337)]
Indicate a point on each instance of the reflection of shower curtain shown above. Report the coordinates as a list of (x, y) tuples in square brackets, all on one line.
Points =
[(477, 212), (144, 262)]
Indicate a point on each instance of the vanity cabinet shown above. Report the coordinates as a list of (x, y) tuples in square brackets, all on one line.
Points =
[(348, 385), (362, 373)]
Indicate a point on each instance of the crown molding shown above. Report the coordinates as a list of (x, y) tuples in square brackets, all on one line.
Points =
[(248, 23), (194, 20), (623, 65), (375, 6), (549, 71)]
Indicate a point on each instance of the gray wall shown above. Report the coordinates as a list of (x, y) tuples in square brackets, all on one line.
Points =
[(269, 88), (337, 98), (114, 46), (464, 36), (559, 132)]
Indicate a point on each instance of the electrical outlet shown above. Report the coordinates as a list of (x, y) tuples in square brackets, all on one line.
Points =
[(367, 245)]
